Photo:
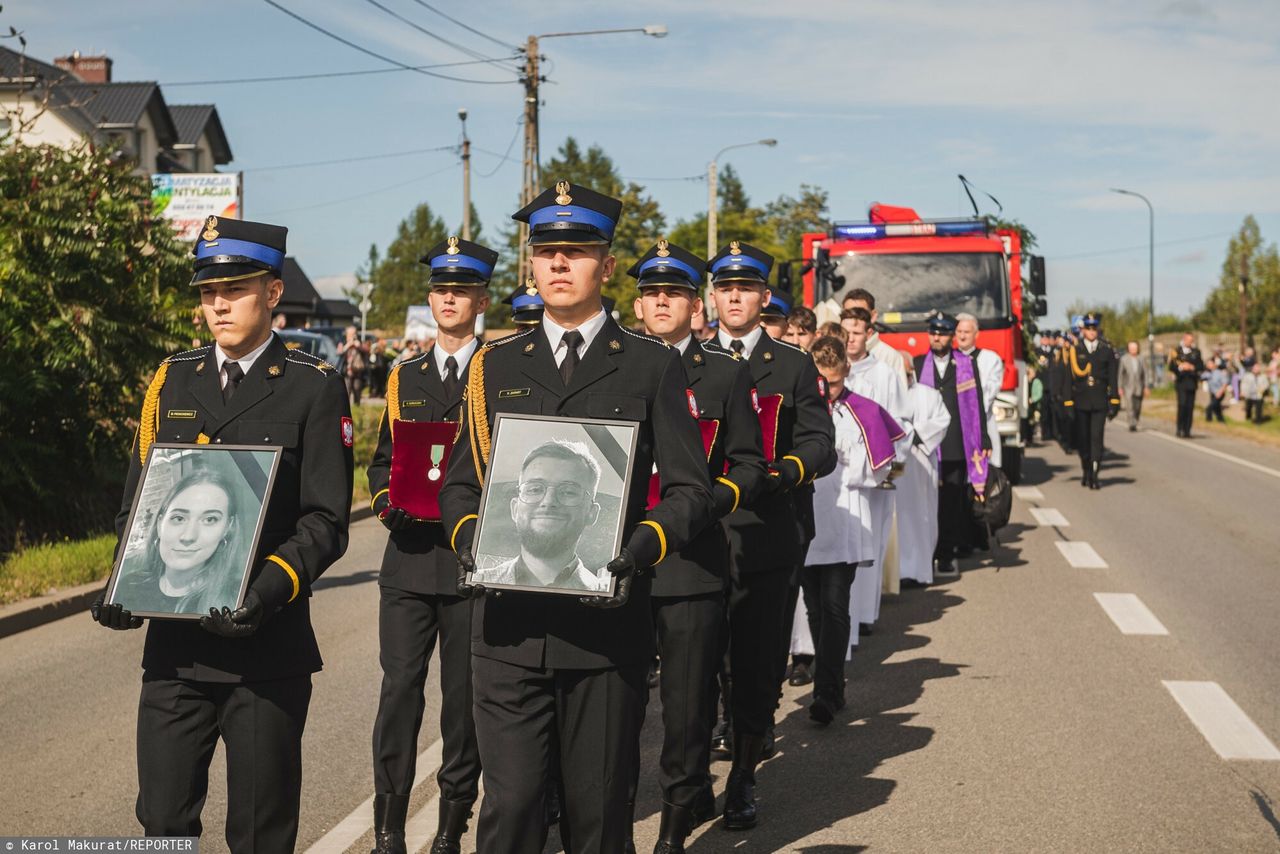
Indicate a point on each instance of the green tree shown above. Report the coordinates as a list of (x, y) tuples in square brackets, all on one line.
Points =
[(1028, 236), (1246, 252), (93, 294), (1126, 322), (399, 281), (730, 191)]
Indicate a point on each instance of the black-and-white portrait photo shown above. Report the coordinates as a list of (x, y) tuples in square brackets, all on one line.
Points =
[(193, 530), (551, 514)]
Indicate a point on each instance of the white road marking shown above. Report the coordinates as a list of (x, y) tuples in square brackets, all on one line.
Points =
[(1028, 493), (1049, 517), (1129, 614), (1223, 724), (1080, 554), (351, 828), (1211, 452)]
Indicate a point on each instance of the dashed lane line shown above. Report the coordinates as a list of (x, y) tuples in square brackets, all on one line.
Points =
[(1223, 724), (1048, 517), (351, 828), (1028, 493), (1080, 554), (1129, 614), (1211, 452)]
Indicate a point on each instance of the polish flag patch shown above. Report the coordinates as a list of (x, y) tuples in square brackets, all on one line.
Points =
[(693, 402), (755, 401), (822, 387), (348, 432)]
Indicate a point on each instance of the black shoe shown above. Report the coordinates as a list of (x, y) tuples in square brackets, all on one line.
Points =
[(453, 824), (946, 568), (1133, 428), (1093, 476), (800, 674), (740, 791), (722, 741), (964, 552), (673, 830), (770, 745), (821, 711), (389, 812), (866, 629), (704, 805)]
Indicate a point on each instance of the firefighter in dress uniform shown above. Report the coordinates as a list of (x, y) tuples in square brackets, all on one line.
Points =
[(1095, 395), (242, 675), (419, 600)]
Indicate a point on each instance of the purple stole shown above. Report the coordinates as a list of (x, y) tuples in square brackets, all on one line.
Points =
[(972, 424), (879, 430)]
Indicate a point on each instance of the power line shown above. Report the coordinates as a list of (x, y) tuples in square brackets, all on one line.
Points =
[(396, 185), (503, 157), (1136, 248), (465, 27), (326, 74), (388, 155), (668, 178), (402, 19), (366, 51)]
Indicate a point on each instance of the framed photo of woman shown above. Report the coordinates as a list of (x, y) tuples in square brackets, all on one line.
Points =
[(193, 530), (553, 504)]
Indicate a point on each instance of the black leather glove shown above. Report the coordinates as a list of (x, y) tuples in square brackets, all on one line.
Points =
[(787, 475), (466, 564), (240, 623), (623, 568), (392, 518), (113, 616), (1112, 411)]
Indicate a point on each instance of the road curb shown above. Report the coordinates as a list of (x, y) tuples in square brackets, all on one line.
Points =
[(30, 613)]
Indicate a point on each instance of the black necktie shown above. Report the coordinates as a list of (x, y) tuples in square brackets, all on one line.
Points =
[(571, 340), (737, 346), (450, 377), (235, 373)]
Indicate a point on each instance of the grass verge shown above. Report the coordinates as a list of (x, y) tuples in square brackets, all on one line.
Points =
[(38, 570)]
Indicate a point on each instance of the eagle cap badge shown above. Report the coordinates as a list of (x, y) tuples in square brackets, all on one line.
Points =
[(734, 248), (210, 228), (453, 246), (562, 193), (663, 251), (530, 287)]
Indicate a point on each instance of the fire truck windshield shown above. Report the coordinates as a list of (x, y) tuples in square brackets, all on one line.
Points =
[(915, 285)]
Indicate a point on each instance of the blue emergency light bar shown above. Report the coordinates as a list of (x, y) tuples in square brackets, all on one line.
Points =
[(877, 230)]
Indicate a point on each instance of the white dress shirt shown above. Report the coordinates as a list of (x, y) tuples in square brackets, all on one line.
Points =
[(555, 332), (245, 362), (462, 357), (684, 345), (749, 341)]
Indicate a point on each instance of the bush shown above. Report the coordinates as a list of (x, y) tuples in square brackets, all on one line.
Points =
[(92, 296), (42, 569)]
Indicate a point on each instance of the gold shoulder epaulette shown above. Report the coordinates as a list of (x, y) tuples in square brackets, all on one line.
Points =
[(478, 414), (150, 423)]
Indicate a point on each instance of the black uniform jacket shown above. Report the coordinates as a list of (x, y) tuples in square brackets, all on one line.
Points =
[(766, 534), (1094, 378), (721, 384), (952, 447), (1059, 376), (418, 558), (1186, 379), (622, 376), (298, 402)]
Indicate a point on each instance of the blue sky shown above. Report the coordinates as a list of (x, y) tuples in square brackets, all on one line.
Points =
[(1043, 104)]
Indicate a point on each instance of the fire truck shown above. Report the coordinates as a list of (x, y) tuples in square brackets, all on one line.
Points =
[(915, 267)]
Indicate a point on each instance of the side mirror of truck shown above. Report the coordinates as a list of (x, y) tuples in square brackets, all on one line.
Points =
[(1036, 283)]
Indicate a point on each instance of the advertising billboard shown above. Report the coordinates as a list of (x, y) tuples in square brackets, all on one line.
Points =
[(188, 200)]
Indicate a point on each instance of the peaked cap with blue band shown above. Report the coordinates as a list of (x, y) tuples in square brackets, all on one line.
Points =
[(460, 262), (1091, 320), (570, 215), (230, 249), (668, 264), (741, 262), (780, 302), (526, 305), (941, 324)]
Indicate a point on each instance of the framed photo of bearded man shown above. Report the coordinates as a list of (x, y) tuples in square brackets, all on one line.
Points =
[(553, 504), (193, 530)]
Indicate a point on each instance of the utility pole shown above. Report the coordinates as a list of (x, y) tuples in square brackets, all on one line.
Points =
[(532, 178), (466, 177), (1244, 301), (713, 205)]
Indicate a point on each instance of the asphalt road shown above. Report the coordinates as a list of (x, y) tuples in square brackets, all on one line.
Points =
[(1003, 711)]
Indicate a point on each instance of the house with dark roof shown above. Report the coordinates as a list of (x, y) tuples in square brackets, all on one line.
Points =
[(75, 98)]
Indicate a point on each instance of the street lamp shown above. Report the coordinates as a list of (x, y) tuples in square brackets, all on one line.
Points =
[(466, 176), (531, 79), (712, 205), (1151, 282)]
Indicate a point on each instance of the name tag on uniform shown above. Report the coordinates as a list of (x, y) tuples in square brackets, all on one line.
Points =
[(413, 403), (181, 413), (513, 392)]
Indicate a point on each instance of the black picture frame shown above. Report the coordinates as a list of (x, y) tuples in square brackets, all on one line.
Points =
[(503, 541), (229, 489)]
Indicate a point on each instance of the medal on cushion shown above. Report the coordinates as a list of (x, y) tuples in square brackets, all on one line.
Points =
[(437, 454)]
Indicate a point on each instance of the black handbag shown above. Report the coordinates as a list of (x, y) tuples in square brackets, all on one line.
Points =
[(996, 503)]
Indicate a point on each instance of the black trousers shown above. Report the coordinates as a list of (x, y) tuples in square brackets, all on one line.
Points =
[(408, 626), (1065, 427), (1090, 424), (1047, 432), (956, 527), (1186, 408), (1214, 408), (525, 717), (758, 621), (1253, 410), (827, 589), (689, 631), (260, 723)]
